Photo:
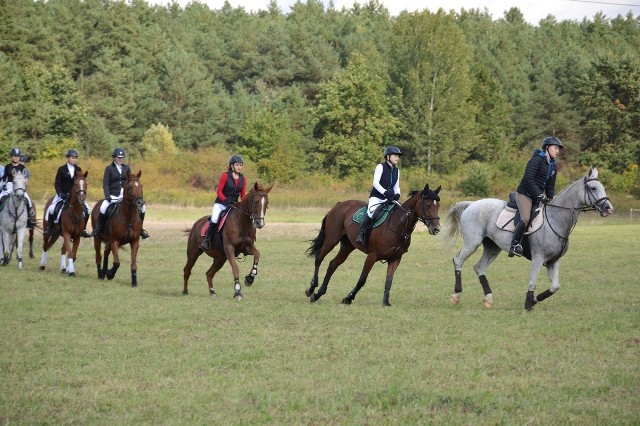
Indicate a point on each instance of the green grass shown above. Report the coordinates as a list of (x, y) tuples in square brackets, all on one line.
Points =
[(83, 351)]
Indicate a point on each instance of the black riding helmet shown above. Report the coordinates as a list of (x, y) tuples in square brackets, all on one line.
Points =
[(392, 150), (14, 152), (118, 152), (72, 153), (551, 140), (235, 159), (23, 158)]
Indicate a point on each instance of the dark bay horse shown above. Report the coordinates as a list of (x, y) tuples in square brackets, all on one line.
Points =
[(238, 238), (123, 227), (70, 226), (387, 242), (476, 221)]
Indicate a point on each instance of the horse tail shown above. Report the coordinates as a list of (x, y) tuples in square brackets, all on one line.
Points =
[(452, 226), (317, 242)]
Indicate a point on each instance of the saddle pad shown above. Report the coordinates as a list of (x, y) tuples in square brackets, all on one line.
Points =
[(506, 216), (223, 218), (359, 214)]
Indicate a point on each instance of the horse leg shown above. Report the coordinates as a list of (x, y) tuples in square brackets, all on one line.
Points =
[(134, 265), (111, 273), (458, 260), (345, 250), (248, 280), (489, 253), (325, 249), (391, 269), (230, 252), (553, 270), (97, 243), (211, 272), (530, 300), (72, 257), (20, 236), (366, 268), (192, 257), (31, 256), (64, 252)]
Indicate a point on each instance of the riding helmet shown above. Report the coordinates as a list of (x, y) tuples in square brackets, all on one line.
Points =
[(551, 140), (118, 152), (23, 158), (72, 153), (15, 151), (235, 159), (392, 150)]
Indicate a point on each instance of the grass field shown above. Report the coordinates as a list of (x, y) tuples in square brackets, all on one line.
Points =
[(83, 351)]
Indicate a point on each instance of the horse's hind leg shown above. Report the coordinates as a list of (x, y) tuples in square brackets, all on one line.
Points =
[(468, 249), (345, 249), (368, 264), (192, 257), (211, 272), (489, 253), (31, 256)]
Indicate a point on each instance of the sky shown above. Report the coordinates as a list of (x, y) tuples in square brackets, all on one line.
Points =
[(533, 10)]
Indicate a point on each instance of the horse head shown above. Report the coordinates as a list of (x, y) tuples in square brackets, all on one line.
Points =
[(595, 196), (258, 201), (133, 193), (79, 190), (19, 183), (426, 208)]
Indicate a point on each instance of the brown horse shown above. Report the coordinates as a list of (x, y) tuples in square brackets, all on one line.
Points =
[(387, 242), (70, 226), (123, 227), (238, 238)]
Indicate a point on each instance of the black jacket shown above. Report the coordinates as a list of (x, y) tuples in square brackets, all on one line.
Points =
[(64, 181), (113, 181), (539, 177)]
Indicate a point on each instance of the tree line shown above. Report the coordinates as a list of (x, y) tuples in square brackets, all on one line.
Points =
[(316, 89)]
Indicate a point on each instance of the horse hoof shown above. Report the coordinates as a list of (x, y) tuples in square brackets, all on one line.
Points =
[(134, 285), (63, 270), (238, 297), (42, 267), (488, 301), (308, 293), (72, 274), (312, 298), (346, 301), (455, 298), (185, 293), (248, 280), (386, 304)]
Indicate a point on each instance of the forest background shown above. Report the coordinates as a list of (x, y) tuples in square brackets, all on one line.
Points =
[(311, 97)]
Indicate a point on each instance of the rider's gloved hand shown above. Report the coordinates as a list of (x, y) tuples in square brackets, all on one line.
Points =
[(396, 197), (388, 195)]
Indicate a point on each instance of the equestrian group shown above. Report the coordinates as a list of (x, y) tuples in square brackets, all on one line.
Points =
[(535, 222)]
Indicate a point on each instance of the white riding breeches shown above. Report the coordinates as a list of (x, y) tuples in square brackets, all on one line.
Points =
[(215, 213)]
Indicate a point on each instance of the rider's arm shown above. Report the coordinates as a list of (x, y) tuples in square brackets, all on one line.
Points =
[(377, 174), (221, 184), (243, 190), (396, 187)]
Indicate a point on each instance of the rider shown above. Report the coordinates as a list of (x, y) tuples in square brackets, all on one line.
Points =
[(539, 179), (63, 186), (115, 176), (7, 180), (23, 161), (232, 184), (386, 187)]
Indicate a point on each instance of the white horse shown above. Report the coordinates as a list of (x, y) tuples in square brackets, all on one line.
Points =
[(13, 218), (477, 222)]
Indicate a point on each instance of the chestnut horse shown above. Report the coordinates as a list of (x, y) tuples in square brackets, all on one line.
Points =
[(70, 226), (387, 242), (123, 227), (238, 238)]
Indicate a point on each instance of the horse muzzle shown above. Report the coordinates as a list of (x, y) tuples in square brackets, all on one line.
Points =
[(259, 223)]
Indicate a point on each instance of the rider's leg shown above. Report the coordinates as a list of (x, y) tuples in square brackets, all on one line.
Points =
[(49, 216), (524, 207), (85, 211), (31, 220), (366, 220), (213, 226), (101, 218)]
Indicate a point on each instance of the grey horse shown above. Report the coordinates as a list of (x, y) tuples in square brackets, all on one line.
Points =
[(13, 219), (476, 221)]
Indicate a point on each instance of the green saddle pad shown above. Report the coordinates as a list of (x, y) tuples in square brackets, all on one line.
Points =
[(358, 215)]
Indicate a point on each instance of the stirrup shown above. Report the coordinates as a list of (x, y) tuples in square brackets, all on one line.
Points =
[(205, 245), (515, 251), (144, 234)]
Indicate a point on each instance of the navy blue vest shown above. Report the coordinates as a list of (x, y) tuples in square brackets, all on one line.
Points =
[(387, 180), (230, 190)]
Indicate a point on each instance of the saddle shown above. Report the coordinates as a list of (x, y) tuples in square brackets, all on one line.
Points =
[(379, 216), (218, 234), (509, 217)]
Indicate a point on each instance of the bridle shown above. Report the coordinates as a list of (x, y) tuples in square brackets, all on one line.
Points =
[(249, 211), (426, 220), (598, 203)]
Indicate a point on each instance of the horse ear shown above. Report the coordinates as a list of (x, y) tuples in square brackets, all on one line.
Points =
[(139, 174), (86, 173), (438, 190), (256, 186), (593, 172), (269, 188), (426, 188)]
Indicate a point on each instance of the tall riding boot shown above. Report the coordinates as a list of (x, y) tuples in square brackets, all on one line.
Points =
[(144, 234), (516, 248), (31, 220), (85, 234), (363, 229), (206, 243), (48, 229), (99, 225)]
